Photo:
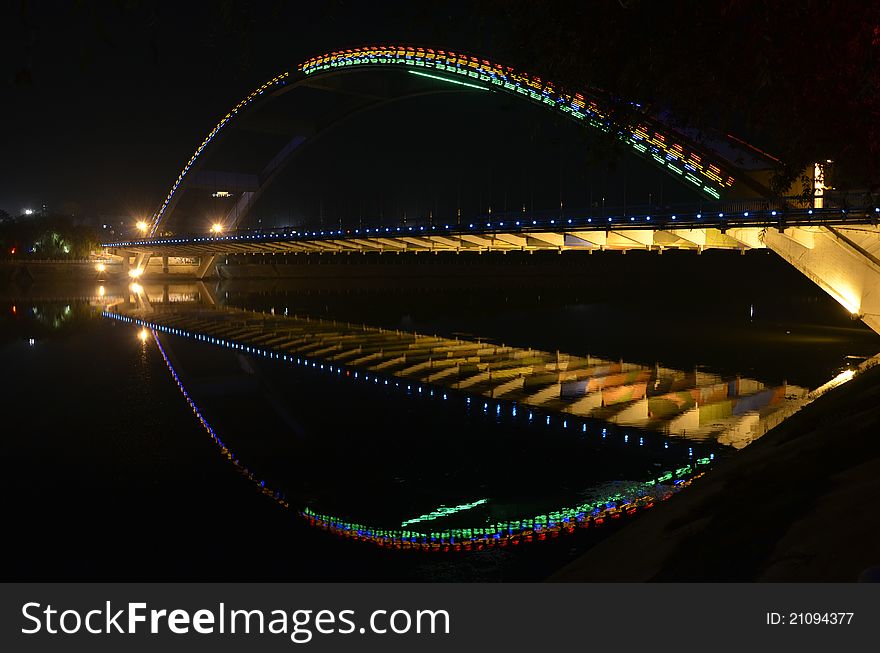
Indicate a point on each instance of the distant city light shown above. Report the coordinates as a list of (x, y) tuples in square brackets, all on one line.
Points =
[(221, 193), (28, 211), (216, 228)]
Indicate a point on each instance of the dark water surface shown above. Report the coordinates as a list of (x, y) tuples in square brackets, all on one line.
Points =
[(110, 475)]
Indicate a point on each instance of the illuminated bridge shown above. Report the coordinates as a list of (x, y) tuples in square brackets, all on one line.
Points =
[(832, 239)]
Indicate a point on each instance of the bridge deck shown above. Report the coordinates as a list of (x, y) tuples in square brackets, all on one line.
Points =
[(693, 228)]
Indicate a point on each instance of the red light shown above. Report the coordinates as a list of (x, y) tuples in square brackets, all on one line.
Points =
[(12, 251)]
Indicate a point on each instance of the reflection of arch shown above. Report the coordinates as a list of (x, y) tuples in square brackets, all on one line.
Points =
[(421, 533), (672, 151)]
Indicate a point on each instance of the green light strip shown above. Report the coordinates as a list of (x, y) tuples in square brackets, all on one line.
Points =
[(446, 79), (443, 511)]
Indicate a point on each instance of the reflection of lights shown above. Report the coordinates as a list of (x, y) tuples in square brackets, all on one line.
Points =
[(31, 342), (134, 273), (616, 503), (142, 226), (100, 291), (847, 299), (443, 511), (845, 376), (216, 228), (633, 498), (840, 379), (143, 334), (136, 288), (100, 267)]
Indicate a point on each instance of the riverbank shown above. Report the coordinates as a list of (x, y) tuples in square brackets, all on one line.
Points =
[(800, 504)]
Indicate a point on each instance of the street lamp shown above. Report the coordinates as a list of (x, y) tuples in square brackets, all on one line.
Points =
[(142, 226), (216, 228)]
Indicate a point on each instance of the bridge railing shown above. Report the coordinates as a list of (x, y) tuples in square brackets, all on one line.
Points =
[(831, 200), (837, 208)]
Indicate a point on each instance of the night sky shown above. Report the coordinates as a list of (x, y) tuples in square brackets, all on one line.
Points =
[(104, 103), (102, 106)]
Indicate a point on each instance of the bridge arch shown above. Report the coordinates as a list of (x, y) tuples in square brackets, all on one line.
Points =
[(703, 170)]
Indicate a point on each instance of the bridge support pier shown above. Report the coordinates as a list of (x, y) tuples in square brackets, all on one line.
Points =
[(843, 261), (207, 266), (141, 261)]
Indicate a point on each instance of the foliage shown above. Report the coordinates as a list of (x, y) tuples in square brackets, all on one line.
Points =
[(46, 237)]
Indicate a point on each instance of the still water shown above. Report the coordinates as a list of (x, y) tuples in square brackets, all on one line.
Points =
[(283, 429)]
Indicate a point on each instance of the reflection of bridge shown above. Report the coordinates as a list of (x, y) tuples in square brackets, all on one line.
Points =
[(691, 404), (442, 529)]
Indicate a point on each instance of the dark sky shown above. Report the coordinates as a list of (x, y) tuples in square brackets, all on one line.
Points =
[(104, 102)]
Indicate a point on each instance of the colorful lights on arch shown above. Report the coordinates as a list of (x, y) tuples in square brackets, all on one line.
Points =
[(645, 140), (278, 80)]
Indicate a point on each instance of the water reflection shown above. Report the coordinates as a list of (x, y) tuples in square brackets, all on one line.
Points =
[(670, 421), (692, 404), (430, 533)]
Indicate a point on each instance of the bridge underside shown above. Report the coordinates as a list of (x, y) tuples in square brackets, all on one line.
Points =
[(425, 241), (843, 260)]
